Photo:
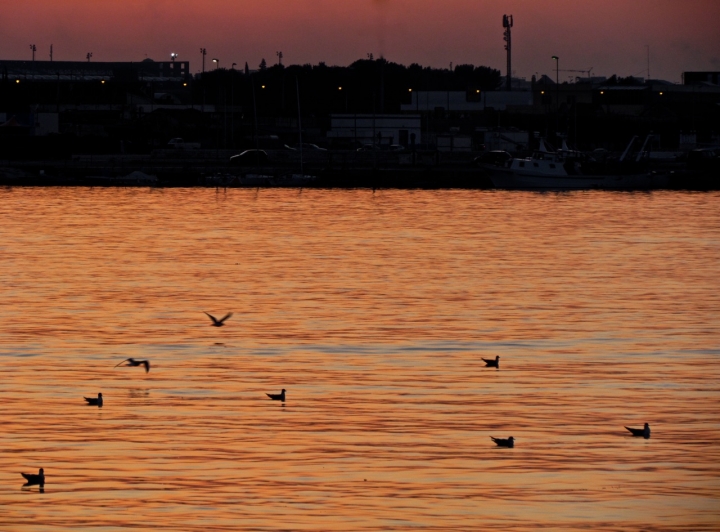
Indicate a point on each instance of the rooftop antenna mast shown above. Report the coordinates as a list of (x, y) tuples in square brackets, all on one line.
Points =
[(507, 24)]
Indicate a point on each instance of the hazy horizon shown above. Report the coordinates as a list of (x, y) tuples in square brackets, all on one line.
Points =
[(612, 36)]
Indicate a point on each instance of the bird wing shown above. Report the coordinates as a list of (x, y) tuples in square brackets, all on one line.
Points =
[(634, 431), (146, 363), (127, 359), (226, 316), (212, 317)]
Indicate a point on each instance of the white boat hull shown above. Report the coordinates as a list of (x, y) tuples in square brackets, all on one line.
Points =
[(509, 179)]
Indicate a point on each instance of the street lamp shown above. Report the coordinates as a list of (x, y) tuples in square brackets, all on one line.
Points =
[(217, 62), (340, 90), (233, 66), (173, 56), (417, 100)]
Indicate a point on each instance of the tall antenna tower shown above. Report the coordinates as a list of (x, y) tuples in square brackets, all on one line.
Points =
[(507, 24)]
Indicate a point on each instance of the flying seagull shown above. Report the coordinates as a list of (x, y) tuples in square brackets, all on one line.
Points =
[(216, 322), (510, 442), (490, 363), (35, 479), (91, 401), (644, 432), (133, 362), (277, 396)]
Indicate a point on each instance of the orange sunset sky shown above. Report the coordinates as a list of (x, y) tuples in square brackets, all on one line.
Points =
[(608, 35)]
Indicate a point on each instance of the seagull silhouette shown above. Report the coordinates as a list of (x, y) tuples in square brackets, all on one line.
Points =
[(277, 396), (644, 432), (35, 479), (216, 322), (490, 363), (91, 401), (510, 442), (133, 362)]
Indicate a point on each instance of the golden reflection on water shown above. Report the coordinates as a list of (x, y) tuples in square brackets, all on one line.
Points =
[(373, 311)]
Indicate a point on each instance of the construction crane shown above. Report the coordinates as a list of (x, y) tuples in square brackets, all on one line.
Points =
[(588, 71)]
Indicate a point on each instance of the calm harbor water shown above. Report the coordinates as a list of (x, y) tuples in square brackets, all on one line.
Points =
[(373, 310)]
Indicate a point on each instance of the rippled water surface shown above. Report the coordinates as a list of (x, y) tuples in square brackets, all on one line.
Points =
[(373, 310)]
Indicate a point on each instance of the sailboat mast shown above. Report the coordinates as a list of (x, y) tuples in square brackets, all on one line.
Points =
[(297, 88)]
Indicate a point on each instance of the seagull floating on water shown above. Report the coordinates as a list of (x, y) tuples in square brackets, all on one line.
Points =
[(490, 363), (644, 432), (91, 401), (277, 396), (133, 362), (216, 322), (501, 442), (35, 479)]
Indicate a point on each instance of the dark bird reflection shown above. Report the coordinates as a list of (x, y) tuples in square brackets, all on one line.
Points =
[(35, 480), (140, 392), (490, 363), (643, 432), (91, 401), (501, 442), (277, 396), (133, 362), (218, 322)]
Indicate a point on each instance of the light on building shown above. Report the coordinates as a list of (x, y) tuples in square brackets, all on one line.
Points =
[(339, 88), (262, 86), (17, 81), (102, 81), (661, 94), (602, 92), (409, 90)]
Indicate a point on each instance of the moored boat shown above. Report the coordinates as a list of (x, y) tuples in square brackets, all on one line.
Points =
[(570, 170)]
